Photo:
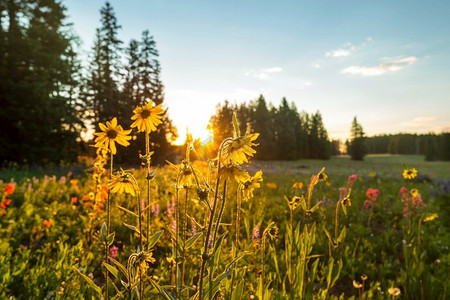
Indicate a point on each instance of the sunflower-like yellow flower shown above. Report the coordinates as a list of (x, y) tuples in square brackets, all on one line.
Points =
[(111, 133), (394, 291), (297, 185), (249, 185), (234, 173), (238, 149), (145, 260), (123, 182), (409, 173), (357, 285), (147, 117)]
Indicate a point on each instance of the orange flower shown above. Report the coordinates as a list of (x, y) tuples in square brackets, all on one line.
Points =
[(47, 223), (9, 189), (74, 200)]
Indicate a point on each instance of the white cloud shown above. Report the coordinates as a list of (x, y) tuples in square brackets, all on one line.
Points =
[(316, 66), (394, 65), (347, 49), (338, 53), (263, 74), (272, 70), (419, 122)]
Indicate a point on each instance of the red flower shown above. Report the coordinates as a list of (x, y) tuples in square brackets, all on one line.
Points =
[(9, 189)]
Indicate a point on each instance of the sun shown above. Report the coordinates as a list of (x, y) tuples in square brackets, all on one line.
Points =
[(198, 132)]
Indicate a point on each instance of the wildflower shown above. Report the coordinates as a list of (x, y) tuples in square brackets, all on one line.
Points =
[(234, 173), (394, 291), (111, 134), (9, 189), (342, 193), (363, 277), (403, 190), (271, 185), (154, 209), (47, 223), (249, 185), (271, 230), (409, 173), (123, 182), (372, 194), (74, 181), (147, 117), (294, 202), (238, 149), (74, 200), (146, 259), (357, 285), (414, 192), (367, 204), (430, 217), (256, 236), (114, 251), (297, 185), (171, 207)]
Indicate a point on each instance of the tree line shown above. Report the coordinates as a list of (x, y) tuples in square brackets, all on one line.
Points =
[(433, 146), (48, 96), (285, 133)]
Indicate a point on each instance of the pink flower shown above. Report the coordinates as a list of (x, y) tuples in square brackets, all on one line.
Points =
[(351, 179), (367, 204), (403, 190), (343, 193), (114, 251), (372, 194)]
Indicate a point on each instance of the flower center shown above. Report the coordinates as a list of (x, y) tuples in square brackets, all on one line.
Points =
[(145, 114), (111, 134)]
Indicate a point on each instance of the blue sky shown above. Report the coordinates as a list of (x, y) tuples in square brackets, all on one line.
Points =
[(387, 62)]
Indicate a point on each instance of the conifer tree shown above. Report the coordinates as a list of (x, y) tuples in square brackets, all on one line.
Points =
[(262, 122), (356, 147)]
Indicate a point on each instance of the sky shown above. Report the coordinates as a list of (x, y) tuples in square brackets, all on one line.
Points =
[(386, 62)]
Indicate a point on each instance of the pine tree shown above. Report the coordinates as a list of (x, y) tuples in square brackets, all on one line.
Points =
[(285, 132), (103, 90), (38, 80), (262, 122), (356, 147)]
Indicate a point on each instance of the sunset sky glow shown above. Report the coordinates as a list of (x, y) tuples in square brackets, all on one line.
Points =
[(387, 62)]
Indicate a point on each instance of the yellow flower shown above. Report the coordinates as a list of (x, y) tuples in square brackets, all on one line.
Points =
[(414, 192), (363, 277), (238, 149), (147, 117), (409, 173), (146, 259), (112, 133), (430, 217), (357, 285), (234, 173), (294, 202), (271, 185), (394, 291), (297, 185), (123, 182), (249, 185)]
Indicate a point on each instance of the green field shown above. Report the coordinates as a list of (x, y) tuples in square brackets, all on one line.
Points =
[(323, 245)]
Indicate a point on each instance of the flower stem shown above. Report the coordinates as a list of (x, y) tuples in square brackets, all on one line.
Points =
[(108, 226)]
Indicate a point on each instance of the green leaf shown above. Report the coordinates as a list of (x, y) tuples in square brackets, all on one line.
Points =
[(341, 235), (154, 239), (110, 238), (121, 267), (344, 208), (315, 207), (132, 228), (191, 241), (162, 291), (214, 288), (103, 232), (127, 211), (237, 293), (91, 283), (111, 269)]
